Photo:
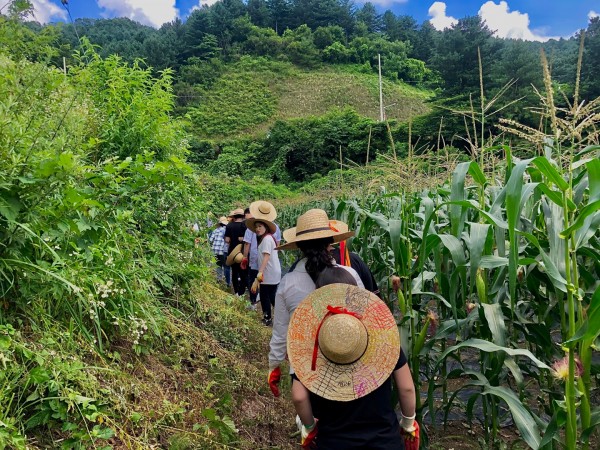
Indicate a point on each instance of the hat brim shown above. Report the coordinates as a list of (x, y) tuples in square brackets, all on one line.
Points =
[(255, 210), (250, 223), (236, 256), (293, 239), (343, 382)]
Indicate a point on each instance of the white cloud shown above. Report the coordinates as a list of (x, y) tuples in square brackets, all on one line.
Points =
[(44, 11), (153, 13), (508, 24), (439, 19), (202, 3), (593, 14)]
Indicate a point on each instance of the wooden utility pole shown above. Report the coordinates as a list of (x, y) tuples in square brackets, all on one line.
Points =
[(381, 118)]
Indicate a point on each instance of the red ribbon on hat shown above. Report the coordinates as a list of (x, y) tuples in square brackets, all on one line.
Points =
[(331, 310), (333, 228)]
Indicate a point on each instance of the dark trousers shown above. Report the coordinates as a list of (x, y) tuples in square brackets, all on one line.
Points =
[(251, 277), (267, 298), (239, 279)]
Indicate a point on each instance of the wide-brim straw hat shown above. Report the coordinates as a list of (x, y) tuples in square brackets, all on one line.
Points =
[(263, 209), (237, 212), (236, 256), (342, 342), (223, 220), (251, 223), (314, 224)]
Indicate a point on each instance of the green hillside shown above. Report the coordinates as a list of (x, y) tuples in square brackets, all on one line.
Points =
[(254, 93)]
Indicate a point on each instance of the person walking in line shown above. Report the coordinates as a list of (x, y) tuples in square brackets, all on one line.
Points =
[(313, 234), (350, 259), (344, 345), (216, 240), (234, 234), (269, 270), (250, 261)]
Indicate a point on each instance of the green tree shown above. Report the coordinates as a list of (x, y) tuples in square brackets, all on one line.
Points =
[(369, 16), (281, 15), (591, 63), (259, 13), (300, 47), (456, 54), (263, 42), (325, 36)]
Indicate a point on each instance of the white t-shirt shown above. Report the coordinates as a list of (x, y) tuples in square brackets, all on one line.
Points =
[(272, 273)]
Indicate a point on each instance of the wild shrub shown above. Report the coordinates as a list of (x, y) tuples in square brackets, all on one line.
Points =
[(95, 205)]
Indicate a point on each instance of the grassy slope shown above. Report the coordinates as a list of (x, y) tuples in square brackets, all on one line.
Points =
[(251, 96), (212, 360)]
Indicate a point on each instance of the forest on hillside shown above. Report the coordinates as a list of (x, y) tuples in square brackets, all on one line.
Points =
[(236, 46)]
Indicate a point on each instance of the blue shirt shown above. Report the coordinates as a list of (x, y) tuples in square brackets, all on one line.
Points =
[(250, 238)]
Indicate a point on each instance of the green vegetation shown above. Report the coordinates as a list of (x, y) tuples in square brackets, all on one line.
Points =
[(497, 272), (112, 334), (105, 332)]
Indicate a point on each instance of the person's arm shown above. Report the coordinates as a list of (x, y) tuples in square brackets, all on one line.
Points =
[(409, 427), (227, 235), (246, 249), (281, 321), (265, 261), (301, 400), (406, 391)]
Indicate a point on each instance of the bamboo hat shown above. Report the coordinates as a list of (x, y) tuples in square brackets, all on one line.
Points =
[(314, 224), (264, 212), (236, 256), (342, 342), (223, 220)]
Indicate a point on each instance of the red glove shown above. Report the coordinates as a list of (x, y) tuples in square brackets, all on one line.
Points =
[(411, 436), (308, 436), (244, 263), (274, 378)]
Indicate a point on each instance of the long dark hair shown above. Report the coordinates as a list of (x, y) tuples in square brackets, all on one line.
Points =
[(317, 255), (260, 238)]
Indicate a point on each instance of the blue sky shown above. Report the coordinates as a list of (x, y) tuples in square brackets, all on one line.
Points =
[(526, 19)]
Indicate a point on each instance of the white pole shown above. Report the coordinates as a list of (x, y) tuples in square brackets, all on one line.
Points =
[(65, 65), (380, 90)]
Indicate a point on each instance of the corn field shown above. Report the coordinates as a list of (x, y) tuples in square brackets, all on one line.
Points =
[(494, 277)]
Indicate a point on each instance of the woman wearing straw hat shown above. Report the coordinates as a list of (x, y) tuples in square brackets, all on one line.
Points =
[(269, 269), (345, 347), (313, 234)]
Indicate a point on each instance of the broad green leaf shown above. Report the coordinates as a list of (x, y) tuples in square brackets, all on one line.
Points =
[(590, 330), (495, 320), (524, 420), (10, 207), (588, 210), (492, 261), (457, 211), (513, 189), (487, 346), (478, 233), (550, 171)]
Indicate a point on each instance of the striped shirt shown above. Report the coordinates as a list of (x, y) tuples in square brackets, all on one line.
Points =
[(217, 241)]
